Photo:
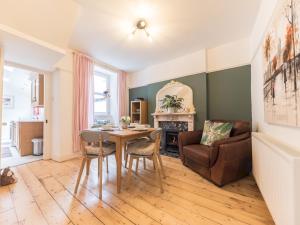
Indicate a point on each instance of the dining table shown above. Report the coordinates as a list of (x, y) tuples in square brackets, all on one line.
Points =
[(120, 137)]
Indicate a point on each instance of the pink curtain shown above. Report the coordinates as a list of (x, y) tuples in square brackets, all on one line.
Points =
[(122, 93), (83, 74)]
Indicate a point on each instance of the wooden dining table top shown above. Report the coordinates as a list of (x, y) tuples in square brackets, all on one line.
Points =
[(125, 132)]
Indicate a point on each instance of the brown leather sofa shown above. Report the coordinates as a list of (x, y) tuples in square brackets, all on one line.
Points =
[(223, 162)]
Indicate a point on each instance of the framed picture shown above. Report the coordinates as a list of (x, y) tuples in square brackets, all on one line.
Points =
[(281, 54), (8, 102)]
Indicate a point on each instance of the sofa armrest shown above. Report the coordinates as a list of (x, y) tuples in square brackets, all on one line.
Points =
[(233, 162), (188, 138)]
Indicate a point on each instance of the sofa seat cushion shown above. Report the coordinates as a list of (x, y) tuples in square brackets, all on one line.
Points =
[(198, 153)]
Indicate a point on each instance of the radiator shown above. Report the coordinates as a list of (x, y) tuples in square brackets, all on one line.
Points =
[(276, 169)]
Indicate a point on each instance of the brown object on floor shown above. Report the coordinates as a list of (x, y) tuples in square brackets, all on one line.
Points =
[(7, 177), (225, 161)]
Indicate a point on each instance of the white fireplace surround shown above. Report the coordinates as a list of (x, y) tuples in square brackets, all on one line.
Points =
[(178, 117), (186, 114)]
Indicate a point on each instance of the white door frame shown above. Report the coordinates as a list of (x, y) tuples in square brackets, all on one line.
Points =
[(47, 137), (1, 95)]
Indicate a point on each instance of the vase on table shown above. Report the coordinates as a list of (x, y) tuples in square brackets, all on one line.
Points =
[(124, 126)]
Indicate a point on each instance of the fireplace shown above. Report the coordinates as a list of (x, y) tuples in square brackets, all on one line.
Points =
[(169, 141), (172, 123)]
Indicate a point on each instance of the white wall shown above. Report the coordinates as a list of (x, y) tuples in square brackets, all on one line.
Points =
[(284, 133), (62, 110), (230, 55), (186, 65), (1, 88)]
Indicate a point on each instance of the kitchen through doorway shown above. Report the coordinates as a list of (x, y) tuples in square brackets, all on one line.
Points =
[(23, 116)]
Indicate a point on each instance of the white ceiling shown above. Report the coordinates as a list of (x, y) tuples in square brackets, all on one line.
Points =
[(52, 21), (178, 27), (101, 27), (26, 50)]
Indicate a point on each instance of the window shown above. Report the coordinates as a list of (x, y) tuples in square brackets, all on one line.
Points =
[(101, 102), (105, 96)]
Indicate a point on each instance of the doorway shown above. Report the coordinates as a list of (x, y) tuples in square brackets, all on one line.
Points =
[(23, 116)]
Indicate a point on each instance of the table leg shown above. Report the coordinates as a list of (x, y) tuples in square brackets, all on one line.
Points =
[(119, 163)]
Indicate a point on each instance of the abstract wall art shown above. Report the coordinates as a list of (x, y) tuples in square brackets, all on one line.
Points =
[(281, 63)]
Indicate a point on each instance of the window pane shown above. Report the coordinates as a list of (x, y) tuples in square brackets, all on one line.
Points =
[(99, 104), (100, 84)]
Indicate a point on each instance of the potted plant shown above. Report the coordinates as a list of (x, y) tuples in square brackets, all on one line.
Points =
[(172, 103), (125, 121)]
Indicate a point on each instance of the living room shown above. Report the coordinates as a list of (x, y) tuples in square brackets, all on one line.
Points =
[(189, 108)]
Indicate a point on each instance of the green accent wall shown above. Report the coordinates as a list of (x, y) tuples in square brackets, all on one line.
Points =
[(229, 94), (198, 84), (224, 94)]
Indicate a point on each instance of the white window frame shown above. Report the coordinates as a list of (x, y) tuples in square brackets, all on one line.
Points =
[(107, 113)]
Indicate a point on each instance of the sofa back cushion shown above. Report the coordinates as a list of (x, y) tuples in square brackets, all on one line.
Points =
[(239, 126), (215, 131)]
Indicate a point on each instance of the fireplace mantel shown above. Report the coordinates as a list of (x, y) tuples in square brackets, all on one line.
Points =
[(174, 114), (180, 117)]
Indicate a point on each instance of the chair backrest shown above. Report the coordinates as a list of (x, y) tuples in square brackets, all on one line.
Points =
[(155, 137), (90, 136), (156, 133), (93, 137)]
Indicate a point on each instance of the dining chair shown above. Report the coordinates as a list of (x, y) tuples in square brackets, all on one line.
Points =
[(94, 145), (146, 138), (126, 156), (147, 150)]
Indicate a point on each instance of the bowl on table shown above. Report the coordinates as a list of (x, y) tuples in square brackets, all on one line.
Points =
[(107, 127)]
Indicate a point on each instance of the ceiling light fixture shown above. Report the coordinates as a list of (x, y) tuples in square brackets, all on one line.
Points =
[(141, 25)]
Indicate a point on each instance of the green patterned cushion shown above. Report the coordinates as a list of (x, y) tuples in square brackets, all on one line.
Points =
[(214, 131)]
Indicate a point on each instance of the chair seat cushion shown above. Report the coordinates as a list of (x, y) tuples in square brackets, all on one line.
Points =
[(108, 149), (141, 148), (198, 153)]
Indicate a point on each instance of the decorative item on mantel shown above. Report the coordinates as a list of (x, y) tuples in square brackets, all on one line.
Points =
[(172, 103), (125, 121)]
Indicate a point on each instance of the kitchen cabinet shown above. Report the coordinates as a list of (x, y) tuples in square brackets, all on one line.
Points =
[(22, 133), (37, 91)]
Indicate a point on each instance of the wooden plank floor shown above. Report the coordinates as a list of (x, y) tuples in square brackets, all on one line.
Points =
[(44, 195)]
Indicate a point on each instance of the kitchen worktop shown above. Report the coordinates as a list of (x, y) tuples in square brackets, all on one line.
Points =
[(29, 121)]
